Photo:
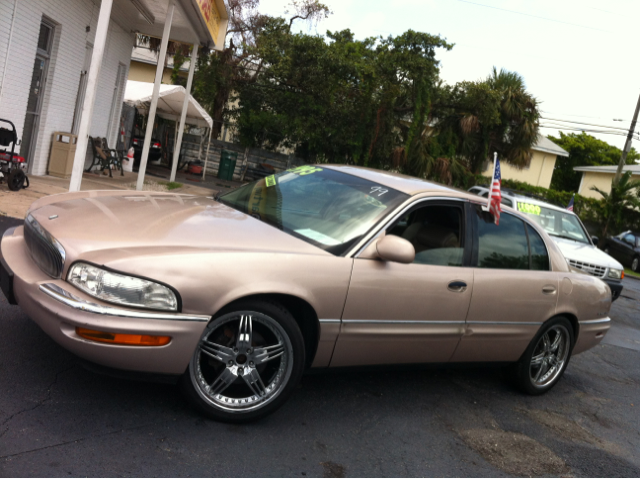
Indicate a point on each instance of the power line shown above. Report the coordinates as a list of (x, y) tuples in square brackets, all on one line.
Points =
[(602, 132), (589, 124), (536, 16)]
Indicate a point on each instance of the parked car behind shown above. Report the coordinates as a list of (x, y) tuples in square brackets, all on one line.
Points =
[(155, 149), (566, 229), (317, 266), (625, 248)]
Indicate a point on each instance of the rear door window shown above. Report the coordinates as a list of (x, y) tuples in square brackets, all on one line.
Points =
[(511, 245)]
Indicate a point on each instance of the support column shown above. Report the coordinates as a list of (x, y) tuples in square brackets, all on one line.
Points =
[(206, 155), (154, 98), (183, 117), (99, 45)]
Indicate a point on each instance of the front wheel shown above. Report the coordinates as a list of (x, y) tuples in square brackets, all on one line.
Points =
[(546, 358), (16, 179), (247, 363)]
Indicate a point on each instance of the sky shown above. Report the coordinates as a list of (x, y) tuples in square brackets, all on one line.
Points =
[(579, 58)]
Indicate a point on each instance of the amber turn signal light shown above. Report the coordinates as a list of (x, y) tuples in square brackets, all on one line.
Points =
[(622, 275), (118, 338)]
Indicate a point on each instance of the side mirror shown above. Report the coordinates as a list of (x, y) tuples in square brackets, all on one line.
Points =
[(396, 249), (595, 240)]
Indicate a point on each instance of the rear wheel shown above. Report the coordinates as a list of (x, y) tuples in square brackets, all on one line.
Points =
[(16, 179), (606, 250), (546, 358), (635, 264), (247, 363)]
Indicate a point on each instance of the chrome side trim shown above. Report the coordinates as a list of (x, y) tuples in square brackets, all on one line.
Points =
[(399, 321), (595, 321), (418, 321), (65, 297), (525, 323), (329, 321), (365, 242)]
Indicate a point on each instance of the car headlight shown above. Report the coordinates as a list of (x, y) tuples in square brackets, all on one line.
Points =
[(121, 289), (615, 273)]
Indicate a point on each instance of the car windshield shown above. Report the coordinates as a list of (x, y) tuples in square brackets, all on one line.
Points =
[(556, 223), (324, 207)]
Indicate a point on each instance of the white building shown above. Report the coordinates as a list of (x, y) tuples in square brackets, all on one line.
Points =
[(45, 51), (47, 48)]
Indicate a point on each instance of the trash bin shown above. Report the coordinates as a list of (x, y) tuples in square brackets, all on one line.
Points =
[(63, 149), (228, 161)]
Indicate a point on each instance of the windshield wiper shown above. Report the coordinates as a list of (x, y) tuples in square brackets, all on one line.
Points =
[(568, 237)]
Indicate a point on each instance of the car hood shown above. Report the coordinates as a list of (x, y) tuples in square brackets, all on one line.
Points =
[(106, 220), (586, 253)]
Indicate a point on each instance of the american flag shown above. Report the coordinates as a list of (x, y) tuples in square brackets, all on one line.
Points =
[(495, 197), (570, 207)]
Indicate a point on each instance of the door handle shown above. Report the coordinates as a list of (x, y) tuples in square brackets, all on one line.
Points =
[(548, 289), (457, 286)]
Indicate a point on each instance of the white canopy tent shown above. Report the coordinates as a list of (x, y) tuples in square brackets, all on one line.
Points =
[(170, 100)]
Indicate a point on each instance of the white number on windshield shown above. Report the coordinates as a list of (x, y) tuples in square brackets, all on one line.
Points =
[(379, 190)]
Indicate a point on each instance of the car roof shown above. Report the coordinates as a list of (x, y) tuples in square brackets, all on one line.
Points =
[(403, 183)]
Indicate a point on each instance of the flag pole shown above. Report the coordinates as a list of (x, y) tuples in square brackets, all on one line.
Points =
[(493, 174)]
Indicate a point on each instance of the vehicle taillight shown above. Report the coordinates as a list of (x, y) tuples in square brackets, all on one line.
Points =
[(156, 145)]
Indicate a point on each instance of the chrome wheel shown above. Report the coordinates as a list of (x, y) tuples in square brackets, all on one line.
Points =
[(549, 356), (606, 250), (634, 264), (243, 362)]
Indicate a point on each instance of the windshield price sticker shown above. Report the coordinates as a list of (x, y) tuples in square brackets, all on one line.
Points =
[(270, 180), (529, 208), (304, 170)]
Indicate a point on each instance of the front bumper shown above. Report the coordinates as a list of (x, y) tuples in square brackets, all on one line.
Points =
[(58, 308), (616, 288)]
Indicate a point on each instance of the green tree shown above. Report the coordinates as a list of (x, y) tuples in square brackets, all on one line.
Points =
[(622, 196), (341, 99), (495, 114), (584, 150)]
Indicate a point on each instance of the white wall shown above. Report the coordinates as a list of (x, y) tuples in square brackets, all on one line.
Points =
[(67, 57)]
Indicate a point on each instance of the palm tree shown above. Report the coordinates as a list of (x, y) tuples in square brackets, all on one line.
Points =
[(496, 114), (622, 196)]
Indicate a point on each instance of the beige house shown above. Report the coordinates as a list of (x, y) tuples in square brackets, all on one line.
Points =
[(540, 169), (143, 66), (601, 177)]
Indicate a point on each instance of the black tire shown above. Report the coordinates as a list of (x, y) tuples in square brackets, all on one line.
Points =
[(16, 179), (225, 362), (635, 264), (526, 375)]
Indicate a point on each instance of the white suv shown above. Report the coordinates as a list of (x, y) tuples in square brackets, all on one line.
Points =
[(570, 235)]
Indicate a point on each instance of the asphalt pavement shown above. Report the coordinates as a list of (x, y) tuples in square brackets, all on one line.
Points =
[(58, 419)]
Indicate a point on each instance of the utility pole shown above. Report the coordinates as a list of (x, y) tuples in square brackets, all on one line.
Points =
[(627, 145)]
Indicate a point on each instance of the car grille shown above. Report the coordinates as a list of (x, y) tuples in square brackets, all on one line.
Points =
[(43, 248), (592, 269)]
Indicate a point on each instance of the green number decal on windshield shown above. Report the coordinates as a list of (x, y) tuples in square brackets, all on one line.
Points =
[(529, 208), (304, 170), (270, 180)]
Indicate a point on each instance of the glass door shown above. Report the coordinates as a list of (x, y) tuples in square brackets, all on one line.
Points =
[(36, 94)]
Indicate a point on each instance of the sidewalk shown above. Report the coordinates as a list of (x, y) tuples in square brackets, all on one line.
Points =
[(16, 203)]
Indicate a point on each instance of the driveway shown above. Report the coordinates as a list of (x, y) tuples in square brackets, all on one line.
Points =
[(57, 419)]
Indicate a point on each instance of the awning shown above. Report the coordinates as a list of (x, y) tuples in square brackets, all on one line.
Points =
[(170, 102)]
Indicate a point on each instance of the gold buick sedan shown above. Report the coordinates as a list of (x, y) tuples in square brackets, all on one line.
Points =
[(315, 267)]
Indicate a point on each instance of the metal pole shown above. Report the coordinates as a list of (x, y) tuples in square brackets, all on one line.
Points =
[(627, 145), (206, 156), (154, 98), (183, 116), (92, 83)]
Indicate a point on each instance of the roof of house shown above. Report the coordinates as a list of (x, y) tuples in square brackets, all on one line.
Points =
[(545, 145), (634, 169)]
